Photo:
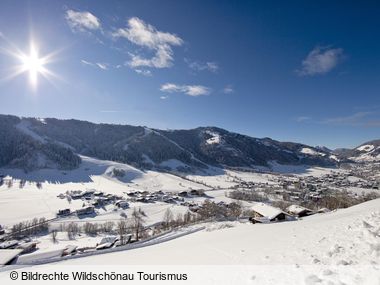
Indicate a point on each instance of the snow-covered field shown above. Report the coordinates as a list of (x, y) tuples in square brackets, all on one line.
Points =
[(339, 238), (18, 205), (21, 204), (340, 247), (345, 237)]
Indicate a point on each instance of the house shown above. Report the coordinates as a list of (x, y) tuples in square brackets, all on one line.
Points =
[(263, 213), (88, 193), (142, 200), (299, 211), (107, 242), (9, 244), (44, 255), (86, 211), (27, 247), (75, 195), (122, 204), (183, 194), (126, 239), (70, 249), (196, 192), (8, 256), (63, 212)]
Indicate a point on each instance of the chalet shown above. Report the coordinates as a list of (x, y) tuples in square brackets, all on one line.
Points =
[(299, 211), (27, 247), (44, 255), (85, 211), (106, 242), (126, 239), (122, 204), (70, 249), (142, 200), (263, 213), (9, 244), (196, 192), (183, 194), (178, 198), (63, 212), (152, 197), (8, 256), (76, 195), (88, 193), (168, 200)]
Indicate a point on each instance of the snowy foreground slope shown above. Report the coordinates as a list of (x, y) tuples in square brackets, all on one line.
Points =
[(345, 237), (340, 247)]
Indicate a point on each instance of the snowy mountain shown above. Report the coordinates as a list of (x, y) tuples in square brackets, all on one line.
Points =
[(40, 143), (369, 151), (21, 148)]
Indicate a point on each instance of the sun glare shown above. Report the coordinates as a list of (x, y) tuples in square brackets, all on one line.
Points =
[(33, 64)]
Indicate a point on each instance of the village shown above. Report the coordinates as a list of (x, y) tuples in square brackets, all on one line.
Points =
[(97, 220), (356, 181)]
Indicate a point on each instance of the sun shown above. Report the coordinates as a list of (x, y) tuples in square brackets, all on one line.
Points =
[(33, 64)]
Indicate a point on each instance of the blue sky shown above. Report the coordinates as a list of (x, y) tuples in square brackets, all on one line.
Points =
[(290, 70)]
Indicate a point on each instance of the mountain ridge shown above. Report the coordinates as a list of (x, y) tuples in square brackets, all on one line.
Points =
[(148, 148)]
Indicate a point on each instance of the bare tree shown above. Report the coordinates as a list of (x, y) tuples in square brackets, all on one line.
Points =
[(107, 226), (122, 230), (72, 230), (54, 236), (187, 218), (90, 228), (168, 218), (212, 210), (138, 221), (179, 220), (234, 210)]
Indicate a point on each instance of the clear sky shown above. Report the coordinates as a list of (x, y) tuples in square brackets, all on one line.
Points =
[(304, 71)]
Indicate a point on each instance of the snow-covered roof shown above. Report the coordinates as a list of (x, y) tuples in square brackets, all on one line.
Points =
[(7, 255), (296, 209), (266, 210)]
